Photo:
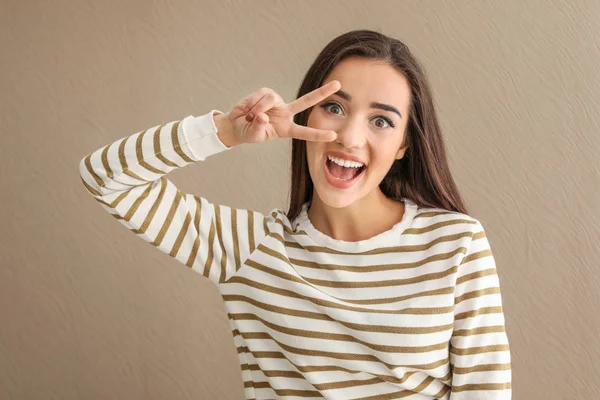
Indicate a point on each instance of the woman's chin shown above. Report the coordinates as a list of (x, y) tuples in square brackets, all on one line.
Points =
[(338, 194), (335, 198)]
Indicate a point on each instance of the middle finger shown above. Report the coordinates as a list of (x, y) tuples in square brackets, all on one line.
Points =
[(312, 98), (264, 104)]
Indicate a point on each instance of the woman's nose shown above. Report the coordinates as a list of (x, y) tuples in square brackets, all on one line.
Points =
[(351, 134)]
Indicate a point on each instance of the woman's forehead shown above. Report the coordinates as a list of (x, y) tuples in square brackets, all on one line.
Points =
[(371, 81)]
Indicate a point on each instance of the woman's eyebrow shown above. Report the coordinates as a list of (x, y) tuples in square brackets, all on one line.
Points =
[(381, 106)]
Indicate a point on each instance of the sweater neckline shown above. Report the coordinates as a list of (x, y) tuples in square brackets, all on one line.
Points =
[(385, 238)]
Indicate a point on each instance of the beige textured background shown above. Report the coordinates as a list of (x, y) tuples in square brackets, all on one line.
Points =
[(88, 311)]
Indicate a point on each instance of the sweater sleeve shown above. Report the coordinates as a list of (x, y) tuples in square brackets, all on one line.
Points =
[(479, 348), (128, 178)]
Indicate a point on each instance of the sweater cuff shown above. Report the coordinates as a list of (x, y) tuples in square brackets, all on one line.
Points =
[(200, 136)]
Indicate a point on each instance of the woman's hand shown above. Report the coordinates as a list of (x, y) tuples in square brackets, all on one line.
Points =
[(264, 116)]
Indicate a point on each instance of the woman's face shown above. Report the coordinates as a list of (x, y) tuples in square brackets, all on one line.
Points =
[(372, 135)]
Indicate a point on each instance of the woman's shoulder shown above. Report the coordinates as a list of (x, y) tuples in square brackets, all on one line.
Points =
[(435, 217), (277, 220)]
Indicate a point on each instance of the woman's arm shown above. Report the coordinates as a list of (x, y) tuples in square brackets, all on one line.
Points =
[(128, 179), (479, 349)]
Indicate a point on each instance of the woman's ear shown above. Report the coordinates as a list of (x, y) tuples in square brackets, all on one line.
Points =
[(401, 152)]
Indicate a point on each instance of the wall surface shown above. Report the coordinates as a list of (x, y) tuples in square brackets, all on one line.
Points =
[(89, 311)]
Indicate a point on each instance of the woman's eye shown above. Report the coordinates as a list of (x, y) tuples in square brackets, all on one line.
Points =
[(330, 106), (387, 121)]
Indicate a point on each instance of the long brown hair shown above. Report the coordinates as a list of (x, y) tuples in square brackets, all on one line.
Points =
[(422, 175)]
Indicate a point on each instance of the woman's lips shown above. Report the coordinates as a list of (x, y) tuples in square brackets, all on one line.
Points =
[(340, 183)]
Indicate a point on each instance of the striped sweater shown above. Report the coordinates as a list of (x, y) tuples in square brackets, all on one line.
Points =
[(414, 312)]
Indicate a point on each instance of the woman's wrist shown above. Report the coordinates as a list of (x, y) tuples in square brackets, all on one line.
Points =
[(225, 130)]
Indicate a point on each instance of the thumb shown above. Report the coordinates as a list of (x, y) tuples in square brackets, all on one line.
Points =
[(238, 111), (263, 118)]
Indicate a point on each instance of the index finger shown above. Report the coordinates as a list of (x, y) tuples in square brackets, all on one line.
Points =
[(312, 98)]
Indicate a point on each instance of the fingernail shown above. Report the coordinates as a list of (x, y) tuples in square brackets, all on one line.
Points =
[(249, 117)]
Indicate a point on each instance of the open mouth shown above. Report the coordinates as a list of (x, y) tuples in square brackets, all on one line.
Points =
[(343, 173)]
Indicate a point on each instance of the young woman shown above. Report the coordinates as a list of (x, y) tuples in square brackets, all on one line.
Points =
[(375, 284)]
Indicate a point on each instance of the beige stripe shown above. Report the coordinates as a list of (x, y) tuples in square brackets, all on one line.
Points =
[(318, 368), (401, 393), (479, 331), (324, 317), (326, 303), (273, 373), (479, 235), (380, 250), (339, 384), (137, 203), (329, 385), (347, 384), (236, 243), (181, 236), (481, 386), (329, 368), (335, 336), (157, 150), (369, 268), (134, 176), (140, 156), (262, 354), (152, 212), (132, 185), (482, 368), (251, 231), (167, 223), (479, 311), (210, 257), (88, 165), (442, 392), (104, 158), (379, 284), (258, 385), (419, 389), (119, 198), (323, 386), (198, 213), (432, 227), (282, 392), (476, 256), (343, 356), (176, 144), (194, 252), (117, 216), (476, 293), (318, 353), (292, 278), (429, 214), (479, 350), (196, 246), (446, 378), (354, 284), (476, 275), (123, 161), (221, 241), (90, 189)]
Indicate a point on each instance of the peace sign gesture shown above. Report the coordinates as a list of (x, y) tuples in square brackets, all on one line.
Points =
[(264, 116)]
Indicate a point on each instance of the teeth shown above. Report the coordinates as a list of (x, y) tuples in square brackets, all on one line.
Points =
[(345, 163)]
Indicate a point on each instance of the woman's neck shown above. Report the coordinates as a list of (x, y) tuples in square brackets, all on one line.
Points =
[(364, 219)]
